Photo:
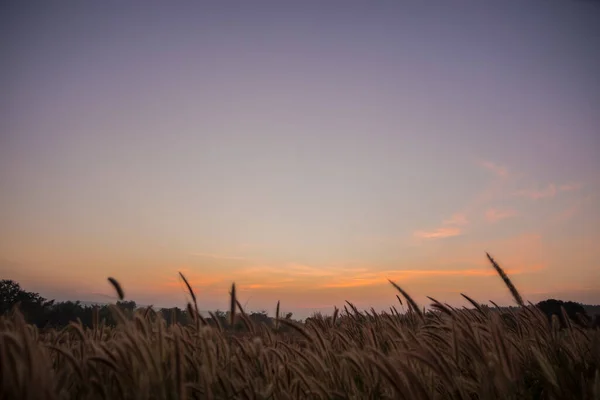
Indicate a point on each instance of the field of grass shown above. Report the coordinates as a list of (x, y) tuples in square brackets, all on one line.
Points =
[(446, 353)]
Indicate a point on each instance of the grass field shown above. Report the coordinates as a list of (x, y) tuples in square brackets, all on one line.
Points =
[(445, 353)]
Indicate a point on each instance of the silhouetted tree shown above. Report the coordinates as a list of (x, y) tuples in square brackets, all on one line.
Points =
[(261, 317), (174, 315), (575, 311), (9, 293), (60, 314), (32, 305), (43, 313)]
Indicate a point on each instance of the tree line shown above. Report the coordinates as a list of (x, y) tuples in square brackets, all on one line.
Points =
[(45, 313), (51, 314)]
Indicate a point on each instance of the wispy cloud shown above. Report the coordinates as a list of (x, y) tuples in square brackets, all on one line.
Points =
[(290, 269), (494, 215), (439, 233), (266, 276), (498, 170), (262, 286), (522, 255), (535, 194), (550, 190), (574, 209), (270, 277), (450, 227), (296, 277), (566, 214), (381, 277), (570, 187), (218, 256), (196, 280), (459, 219), (455, 225)]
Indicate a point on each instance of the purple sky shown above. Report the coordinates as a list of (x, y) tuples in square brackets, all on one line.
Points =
[(303, 151)]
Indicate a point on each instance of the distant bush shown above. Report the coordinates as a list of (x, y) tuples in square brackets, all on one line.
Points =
[(575, 311)]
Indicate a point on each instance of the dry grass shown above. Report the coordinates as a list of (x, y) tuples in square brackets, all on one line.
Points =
[(480, 353)]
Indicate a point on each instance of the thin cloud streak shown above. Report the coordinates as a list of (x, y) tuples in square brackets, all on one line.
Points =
[(439, 233), (498, 170), (381, 277), (218, 256), (299, 276), (494, 215), (452, 226), (266, 276), (459, 219), (573, 210), (549, 191), (570, 187)]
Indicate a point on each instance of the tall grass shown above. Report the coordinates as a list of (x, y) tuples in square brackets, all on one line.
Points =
[(447, 353)]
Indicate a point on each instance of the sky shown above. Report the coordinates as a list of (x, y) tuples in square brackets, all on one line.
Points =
[(306, 151)]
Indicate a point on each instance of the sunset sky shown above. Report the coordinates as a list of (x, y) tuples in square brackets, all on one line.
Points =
[(306, 151)]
